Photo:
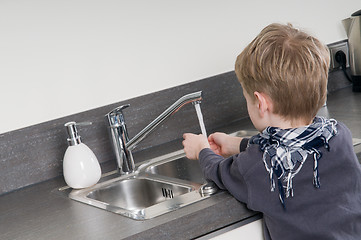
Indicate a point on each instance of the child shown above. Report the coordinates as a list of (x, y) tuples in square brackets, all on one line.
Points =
[(300, 171)]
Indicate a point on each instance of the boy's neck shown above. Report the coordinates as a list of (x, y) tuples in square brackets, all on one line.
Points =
[(281, 122)]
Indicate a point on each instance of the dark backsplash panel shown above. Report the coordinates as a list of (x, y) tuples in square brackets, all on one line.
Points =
[(34, 154)]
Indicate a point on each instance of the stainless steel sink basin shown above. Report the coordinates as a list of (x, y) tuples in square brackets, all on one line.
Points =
[(141, 193), (158, 186), (137, 197)]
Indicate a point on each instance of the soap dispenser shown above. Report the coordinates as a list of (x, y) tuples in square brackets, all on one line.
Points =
[(81, 168)]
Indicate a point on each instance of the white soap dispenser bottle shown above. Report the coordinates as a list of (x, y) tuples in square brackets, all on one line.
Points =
[(81, 168)]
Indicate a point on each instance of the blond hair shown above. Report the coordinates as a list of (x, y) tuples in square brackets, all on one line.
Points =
[(288, 65)]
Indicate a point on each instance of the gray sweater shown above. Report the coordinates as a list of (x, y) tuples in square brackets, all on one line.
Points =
[(331, 212)]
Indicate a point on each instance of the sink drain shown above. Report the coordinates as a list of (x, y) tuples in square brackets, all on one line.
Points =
[(167, 193)]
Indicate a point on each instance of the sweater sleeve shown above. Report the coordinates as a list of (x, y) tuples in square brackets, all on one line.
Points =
[(243, 145), (225, 172)]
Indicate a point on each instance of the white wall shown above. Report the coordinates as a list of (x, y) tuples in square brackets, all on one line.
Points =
[(59, 57)]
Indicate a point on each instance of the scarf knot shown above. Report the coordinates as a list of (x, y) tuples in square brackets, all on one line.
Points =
[(286, 150)]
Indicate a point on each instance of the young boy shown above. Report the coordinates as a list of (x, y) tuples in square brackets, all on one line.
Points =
[(300, 171)]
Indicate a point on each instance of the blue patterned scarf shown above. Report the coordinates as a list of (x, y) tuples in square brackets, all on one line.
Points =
[(286, 150)]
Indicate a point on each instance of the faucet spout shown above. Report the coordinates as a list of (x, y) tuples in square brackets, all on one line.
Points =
[(192, 97), (122, 146)]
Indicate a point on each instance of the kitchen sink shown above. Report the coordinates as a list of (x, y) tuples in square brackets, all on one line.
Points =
[(158, 186), (137, 197)]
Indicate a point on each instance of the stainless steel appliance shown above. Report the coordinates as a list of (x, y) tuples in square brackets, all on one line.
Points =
[(352, 26)]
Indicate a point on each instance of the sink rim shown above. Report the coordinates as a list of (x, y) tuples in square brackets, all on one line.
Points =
[(152, 211)]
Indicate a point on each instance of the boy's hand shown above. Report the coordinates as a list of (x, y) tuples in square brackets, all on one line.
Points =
[(193, 144), (223, 144)]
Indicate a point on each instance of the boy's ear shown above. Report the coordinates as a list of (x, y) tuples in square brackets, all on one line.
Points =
[(263, 103)]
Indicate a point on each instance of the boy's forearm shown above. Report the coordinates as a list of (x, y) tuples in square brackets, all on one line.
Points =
[(233, 146)]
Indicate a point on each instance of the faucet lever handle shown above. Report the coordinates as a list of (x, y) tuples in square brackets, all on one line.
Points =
[(115, 117), (118, 110)]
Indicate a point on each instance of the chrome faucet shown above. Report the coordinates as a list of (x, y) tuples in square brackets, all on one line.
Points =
[(122, 146)]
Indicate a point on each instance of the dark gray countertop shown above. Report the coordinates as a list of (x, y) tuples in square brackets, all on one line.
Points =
[(40, 212)]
